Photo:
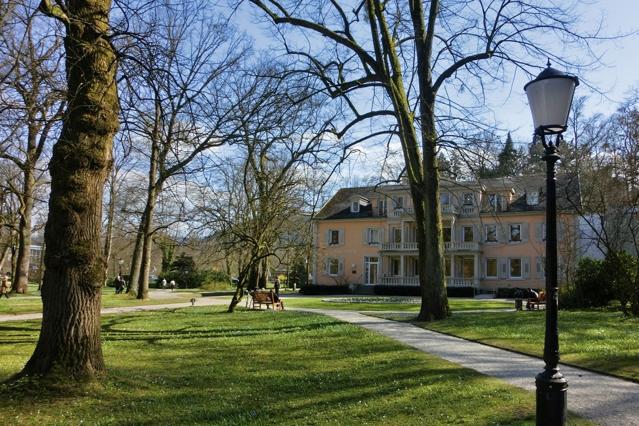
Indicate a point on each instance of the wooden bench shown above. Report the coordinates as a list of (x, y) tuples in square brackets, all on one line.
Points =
[(268, 298), (536, 302)]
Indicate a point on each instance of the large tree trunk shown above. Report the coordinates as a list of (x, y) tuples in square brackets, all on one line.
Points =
[(69, 345), (136, 260), (434, 300), (145, 257), (21, 273), (263, 280), (4, 256), (147, 242), (108, 238)]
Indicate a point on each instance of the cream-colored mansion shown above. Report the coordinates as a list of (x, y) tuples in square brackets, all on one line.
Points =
[(493, 234)]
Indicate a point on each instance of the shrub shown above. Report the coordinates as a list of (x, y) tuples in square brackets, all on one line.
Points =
[(325, 289), (388, 290), (621, 271), (592, 287), (460, 291)]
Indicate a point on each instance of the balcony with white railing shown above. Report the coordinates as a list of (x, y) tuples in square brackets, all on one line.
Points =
[(468, 211), (407, 281), (414, 281), (462, 282), (461, 246), (449, 209), (407, 246), (403, 211)]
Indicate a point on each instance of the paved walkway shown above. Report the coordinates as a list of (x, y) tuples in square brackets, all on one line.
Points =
[(603, 399), (202, 301)]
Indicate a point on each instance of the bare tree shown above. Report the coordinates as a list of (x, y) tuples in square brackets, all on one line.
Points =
[(33, 103), (283, 141), (413, 62), (606, 159), (175, 92)]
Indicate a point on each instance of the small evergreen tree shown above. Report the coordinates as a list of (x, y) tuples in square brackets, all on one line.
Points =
[(508, 159)]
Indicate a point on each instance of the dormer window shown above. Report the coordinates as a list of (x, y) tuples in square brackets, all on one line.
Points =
[(532, 198), (355, 207), (381, 207), (469, 199), (444, 198), (494, 201), (398, 202)]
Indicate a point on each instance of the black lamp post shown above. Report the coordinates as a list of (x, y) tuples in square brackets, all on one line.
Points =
[(550, 96)]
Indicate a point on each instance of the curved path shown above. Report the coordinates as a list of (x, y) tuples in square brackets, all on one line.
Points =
[(603, 399)]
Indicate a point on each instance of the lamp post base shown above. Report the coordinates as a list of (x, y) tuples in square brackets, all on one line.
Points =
[(551, 398)]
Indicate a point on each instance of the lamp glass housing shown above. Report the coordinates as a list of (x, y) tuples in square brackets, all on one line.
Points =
[(550, 96)]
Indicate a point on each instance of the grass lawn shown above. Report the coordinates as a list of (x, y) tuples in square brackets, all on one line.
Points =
[(31, 302), (386, 303), (599, 340), (201, 366)]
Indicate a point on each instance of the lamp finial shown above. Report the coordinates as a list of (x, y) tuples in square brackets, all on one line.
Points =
[(548, 63)]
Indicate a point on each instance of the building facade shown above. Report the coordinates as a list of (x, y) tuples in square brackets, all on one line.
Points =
[(493, 231)]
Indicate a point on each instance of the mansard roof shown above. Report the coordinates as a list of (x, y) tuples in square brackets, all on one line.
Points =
[(521, 187)]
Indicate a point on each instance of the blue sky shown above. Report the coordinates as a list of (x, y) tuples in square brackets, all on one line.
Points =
[(615, 78)]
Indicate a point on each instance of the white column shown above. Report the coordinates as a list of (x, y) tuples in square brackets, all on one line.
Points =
[(402, 273), (452, 266), (476, 268)]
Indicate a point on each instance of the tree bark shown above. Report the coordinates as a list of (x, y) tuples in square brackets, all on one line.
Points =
[(21, 272), (147, 246), (5, 256), (136, 260), (69, 345), (108, 237)]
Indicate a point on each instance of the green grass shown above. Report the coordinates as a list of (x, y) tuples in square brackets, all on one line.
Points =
[(32, 303), (599, 340), (323, 302), (200, 366)]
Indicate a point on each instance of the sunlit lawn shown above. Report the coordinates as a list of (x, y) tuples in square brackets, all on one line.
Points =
[(386, 303), (31, 302), (202, 366), (600, 340)]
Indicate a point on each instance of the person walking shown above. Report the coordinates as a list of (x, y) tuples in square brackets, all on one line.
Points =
[(277, 287), (5, 287), (119, 284)]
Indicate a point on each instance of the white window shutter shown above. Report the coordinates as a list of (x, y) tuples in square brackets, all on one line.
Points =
[(340, 267), (526, 267), (328, 237), (476, 233), (341, 236), (365, 236), (327, 266), (539, 229), (502, 262), (501, 233), (524, 232), (381, 235)]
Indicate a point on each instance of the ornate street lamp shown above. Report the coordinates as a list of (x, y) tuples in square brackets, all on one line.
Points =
[(550, 96)]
